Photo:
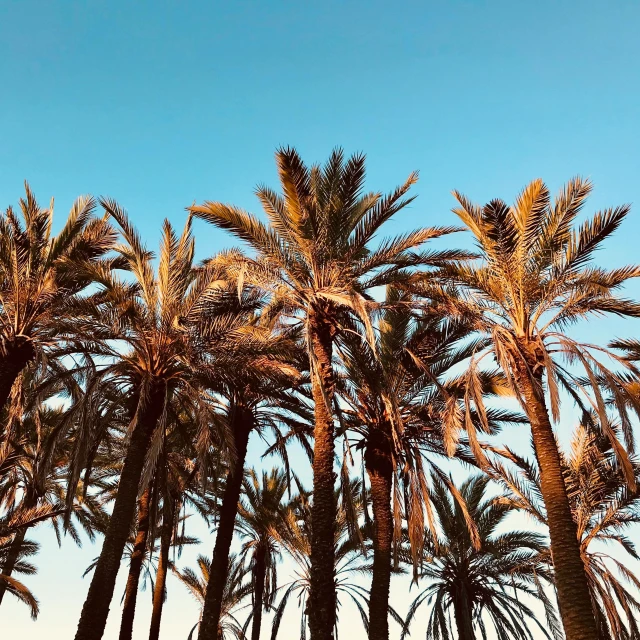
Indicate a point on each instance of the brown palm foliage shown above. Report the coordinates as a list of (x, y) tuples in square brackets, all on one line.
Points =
[(315, 258), (604, 509), (395, 397), (533, 281), (41, 278)]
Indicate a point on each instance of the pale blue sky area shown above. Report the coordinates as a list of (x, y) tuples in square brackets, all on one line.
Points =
[(158, 104)]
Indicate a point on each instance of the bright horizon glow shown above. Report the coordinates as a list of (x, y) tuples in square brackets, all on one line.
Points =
[(160, 104)]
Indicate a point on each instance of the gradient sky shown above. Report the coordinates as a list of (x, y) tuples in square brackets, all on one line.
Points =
[(158, 104)]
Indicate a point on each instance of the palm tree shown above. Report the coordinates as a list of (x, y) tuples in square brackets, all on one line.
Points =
[(395, 398), (603, 508), (42, 277), (471, 571), (261, 514), (235, 591), (314, 258), (33, 472), (258, 394), (156, 317), (534, 280)]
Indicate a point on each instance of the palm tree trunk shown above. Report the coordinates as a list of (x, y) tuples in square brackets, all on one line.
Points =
[(464, 616), (242, 422), (96, 606), (163, 566), (14, 357), (574, 599), (379, 467), (135, 566), (12, 558), (258, 593), (322, 596)]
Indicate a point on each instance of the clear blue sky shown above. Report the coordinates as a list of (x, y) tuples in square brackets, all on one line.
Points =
[(158, 104)]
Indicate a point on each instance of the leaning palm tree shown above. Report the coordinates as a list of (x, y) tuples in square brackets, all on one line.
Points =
[(155, 317), (394, 399), (315, 259), (604, 510), (474, 577), (41, 278), (534, 280), (261, 514), (235, 591), (259, 393)]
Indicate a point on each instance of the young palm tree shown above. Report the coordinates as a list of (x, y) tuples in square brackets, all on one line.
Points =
[(261, 514), (394, 398), (235, 591), (41, 278), (156, 317), (604, 509), (473, 579), (315, 259), (534, 280)]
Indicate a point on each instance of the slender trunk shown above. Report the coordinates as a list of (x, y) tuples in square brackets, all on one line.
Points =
[(242, 421), (96, 606), (163, 566), (135, 566), (322, 596), (464, 616), (379, 467), (258, 593), (14, 357), (12, 558), (574, 599)]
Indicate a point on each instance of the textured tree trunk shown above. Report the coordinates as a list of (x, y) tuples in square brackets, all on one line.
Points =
[(12, 558), (135, 566), (379, 465), (322, 597), (96, 606), (258, 593), (464, 616), (242, 421), (574, 599), (14, 357), (163, 566)]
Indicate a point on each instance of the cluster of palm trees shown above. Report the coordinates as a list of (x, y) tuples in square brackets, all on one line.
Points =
[(131, 384)]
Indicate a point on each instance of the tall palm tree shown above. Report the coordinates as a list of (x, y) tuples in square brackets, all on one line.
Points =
[(260, 514), (395, 397), (474, 579), (156, 318), (315, 258), (235, 591), (41, 278), (534, 279), (604, 510)]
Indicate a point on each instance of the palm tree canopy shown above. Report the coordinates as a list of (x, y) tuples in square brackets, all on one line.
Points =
[(536, 277), (479, 564)]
